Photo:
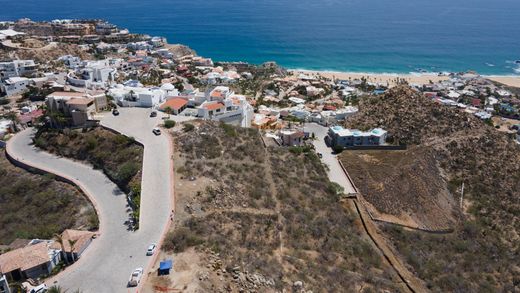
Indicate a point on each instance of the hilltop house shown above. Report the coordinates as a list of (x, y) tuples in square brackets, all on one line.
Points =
[(31, 261), (224, 106), (17, 68), (15, 85), (176, 104), (129, 96), (94, 74), (78, 107), (292, 137), (340, 137)]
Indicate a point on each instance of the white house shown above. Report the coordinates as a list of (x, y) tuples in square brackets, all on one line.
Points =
[(234, 110), (15, 85), (342, 137), (17, 68), (137, 96), (95, 74), (70, 61)]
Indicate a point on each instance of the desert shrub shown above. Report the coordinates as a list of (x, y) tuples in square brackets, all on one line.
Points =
[(92, 142), (169, 124), (126, 171), (180, 239), (188, 127)]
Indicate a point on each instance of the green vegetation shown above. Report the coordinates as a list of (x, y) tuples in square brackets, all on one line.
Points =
[(38, 206), (188, 127), (169, 124), (119, 156)]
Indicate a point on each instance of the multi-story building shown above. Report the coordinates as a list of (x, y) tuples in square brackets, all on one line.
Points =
[(234, 109), (17, 68), (15, 85), (105, 28), (78, 107), (341, 137)]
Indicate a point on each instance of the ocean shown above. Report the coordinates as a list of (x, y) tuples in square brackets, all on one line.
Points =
[(379, 36)]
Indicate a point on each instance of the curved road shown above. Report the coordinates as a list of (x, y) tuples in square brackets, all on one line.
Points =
[(107, 263)]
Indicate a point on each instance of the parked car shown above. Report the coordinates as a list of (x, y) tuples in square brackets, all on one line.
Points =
[(153, 114), (151, 249), (39, 289), (320, 155), (115, 112), (135, 277), (156, 131)]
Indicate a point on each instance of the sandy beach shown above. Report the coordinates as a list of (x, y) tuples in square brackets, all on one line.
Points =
[(391, 79)]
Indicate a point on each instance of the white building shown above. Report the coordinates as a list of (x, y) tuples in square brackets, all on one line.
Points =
[(95, 74), (235, 109), (70, 61), (17, 68), (15, 85), (137, 96), (342, 137)]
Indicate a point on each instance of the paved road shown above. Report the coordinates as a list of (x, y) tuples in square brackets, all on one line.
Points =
[(107, 263), (335, 171)]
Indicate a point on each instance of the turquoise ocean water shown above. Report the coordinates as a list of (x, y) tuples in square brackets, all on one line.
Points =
[(398, 36)]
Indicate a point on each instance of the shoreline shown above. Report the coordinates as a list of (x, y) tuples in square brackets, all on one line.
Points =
[(413, 78)]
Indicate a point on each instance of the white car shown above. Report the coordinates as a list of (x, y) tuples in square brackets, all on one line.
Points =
[(39, 289), (135, 277), (156, 131), (151, 249)]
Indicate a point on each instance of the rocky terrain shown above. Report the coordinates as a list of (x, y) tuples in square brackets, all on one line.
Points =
[(482, 253), (45, 54), (255, 219)]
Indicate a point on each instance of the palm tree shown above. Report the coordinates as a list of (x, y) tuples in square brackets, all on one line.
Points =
[(168, 111), (60, 239), (72, 243)]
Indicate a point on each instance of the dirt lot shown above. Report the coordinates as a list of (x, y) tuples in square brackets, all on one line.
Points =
[(412, 176), (262, 220)]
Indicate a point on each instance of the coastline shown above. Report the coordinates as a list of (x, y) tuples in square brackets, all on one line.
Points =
[(412, 78)]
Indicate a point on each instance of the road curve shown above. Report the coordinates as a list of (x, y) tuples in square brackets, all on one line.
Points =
[(108, 261)]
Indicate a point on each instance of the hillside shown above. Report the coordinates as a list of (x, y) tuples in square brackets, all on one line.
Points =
[(482, 253), (262, 220), (119, 157), (37, 206)]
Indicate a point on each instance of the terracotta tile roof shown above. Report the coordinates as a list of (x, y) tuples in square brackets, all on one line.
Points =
[(24, 258), (81, 238), (214, 106), (175, 103), (19, 243), (216, 94)]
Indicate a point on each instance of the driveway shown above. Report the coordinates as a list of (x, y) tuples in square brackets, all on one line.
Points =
[(107, 263), (335, 171)]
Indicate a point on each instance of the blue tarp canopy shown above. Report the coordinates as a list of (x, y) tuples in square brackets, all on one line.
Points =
[(165, 265)]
